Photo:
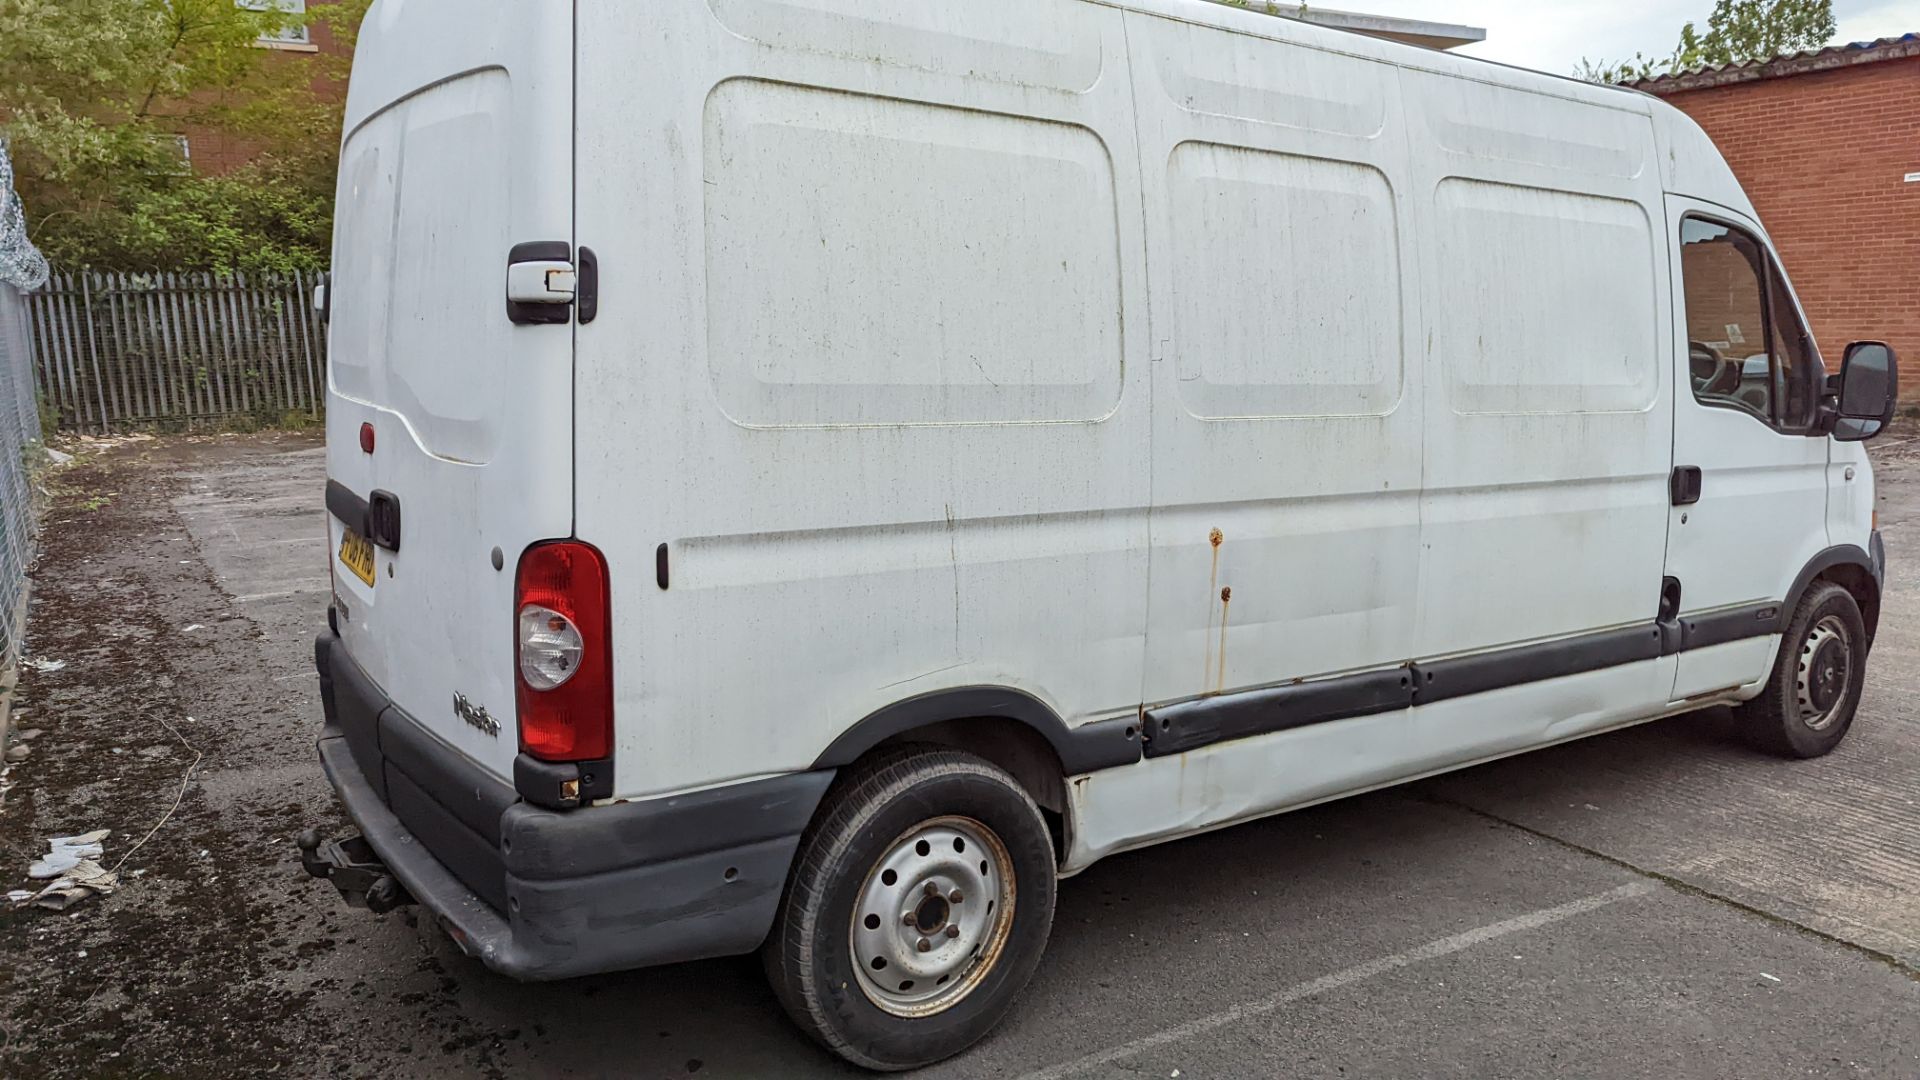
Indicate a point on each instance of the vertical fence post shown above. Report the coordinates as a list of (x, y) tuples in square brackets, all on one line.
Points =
[(93, 351)]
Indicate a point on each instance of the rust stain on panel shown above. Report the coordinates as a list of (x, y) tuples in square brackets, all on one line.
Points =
[(1220, 683), (1216, 538)]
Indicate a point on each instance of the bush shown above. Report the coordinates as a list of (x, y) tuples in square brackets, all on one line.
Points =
[(262, 217)]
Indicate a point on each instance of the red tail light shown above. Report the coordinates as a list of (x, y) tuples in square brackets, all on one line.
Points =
[(562, 652)]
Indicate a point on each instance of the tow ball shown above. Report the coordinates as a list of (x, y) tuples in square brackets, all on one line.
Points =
[(354, 869)]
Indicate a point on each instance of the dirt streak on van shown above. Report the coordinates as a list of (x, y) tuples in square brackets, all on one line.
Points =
[(791, 423)]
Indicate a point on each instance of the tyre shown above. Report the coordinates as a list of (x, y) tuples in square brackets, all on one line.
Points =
[(918, 906), (1810, 698)]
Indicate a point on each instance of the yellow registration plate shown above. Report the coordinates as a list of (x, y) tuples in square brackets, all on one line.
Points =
[(356, 554)]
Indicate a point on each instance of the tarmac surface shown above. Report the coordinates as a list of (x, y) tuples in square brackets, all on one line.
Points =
[(1657, 902)]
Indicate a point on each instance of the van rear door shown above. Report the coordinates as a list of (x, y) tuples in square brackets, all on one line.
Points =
[(458, 148)]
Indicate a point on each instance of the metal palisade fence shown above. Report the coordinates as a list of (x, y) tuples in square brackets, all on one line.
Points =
[(19, 438), (117, 350)]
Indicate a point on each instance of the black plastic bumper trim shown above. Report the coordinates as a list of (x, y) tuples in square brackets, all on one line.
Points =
[(603, 839), (474, 796), (558, 894), (546, 783)]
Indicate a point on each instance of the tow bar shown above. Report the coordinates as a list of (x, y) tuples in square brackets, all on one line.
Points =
[(354, 869)]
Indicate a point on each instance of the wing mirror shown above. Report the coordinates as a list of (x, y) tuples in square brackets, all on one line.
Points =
[(1864, 394)]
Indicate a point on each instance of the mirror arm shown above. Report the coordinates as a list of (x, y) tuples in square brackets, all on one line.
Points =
[(1826, 417)]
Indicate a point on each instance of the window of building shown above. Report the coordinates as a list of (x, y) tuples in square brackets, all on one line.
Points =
[(1746, 346), (172, 155), (286, 35)]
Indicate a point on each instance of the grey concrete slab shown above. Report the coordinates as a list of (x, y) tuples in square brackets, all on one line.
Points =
[(1833, 844)]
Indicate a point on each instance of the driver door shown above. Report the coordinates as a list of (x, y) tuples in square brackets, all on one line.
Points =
[(1745, 400)]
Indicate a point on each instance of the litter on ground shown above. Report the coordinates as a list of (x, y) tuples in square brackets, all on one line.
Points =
[(71, 863)]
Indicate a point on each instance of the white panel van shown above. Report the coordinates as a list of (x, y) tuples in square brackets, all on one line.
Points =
[(807, 475)]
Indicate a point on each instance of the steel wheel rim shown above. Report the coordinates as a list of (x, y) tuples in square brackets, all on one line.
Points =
[(1824, 672), (918, 951)]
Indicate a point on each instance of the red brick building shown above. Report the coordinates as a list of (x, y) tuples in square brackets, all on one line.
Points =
[(1827, 144), (217, 152)]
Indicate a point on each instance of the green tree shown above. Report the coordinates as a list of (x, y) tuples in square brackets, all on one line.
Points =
[(1737, 31), (92, 93)]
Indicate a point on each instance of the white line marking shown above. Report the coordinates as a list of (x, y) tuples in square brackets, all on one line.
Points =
[(310, 585), (1432, 950)]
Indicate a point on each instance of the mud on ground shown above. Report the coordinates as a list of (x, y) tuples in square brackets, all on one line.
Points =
[(208, 960)]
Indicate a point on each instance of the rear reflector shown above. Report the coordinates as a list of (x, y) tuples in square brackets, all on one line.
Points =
[(366, 438), (562, 652)]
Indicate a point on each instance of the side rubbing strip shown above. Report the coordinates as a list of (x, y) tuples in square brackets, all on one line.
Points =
[(1189, 725), (1438, 680), (1730, 624), (1192, 724)]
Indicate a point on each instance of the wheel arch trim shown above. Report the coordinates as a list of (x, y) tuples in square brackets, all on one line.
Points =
[(1090, 747), (1848, 555)]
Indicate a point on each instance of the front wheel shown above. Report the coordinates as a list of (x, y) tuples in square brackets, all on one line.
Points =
[(918, 907), (1810, 699)]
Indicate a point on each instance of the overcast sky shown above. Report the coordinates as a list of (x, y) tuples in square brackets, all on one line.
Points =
[(1553, 35)]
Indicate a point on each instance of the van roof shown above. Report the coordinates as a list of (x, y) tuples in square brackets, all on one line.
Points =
[(1689, 161), (1350, 35)]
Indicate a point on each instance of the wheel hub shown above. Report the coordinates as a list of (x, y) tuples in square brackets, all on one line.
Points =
[(1825, 670), (932, 916)]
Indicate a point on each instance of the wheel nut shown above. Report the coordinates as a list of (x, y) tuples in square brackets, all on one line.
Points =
[(953, 929), (932, 890), (908, 919), (954, 897), (924, 945)]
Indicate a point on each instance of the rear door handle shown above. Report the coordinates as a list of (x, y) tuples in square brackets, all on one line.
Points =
[(545, 282), (541, 283), (1684, 485)]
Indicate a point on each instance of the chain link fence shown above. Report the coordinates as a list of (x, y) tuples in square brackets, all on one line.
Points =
[(19, 438), (21, 267)]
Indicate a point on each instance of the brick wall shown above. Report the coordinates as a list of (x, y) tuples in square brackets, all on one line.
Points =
[(217, 152), (1822, 155), (1723, 299)]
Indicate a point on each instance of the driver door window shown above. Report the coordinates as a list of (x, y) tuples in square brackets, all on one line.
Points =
[(1746, 348)]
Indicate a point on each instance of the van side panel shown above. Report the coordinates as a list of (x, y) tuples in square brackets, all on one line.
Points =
[(871, 361), (1549, 409), (1286, 434)]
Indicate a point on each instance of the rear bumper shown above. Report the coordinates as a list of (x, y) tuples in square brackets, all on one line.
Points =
[(540, 894)]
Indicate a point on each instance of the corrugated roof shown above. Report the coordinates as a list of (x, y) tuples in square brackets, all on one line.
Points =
[(1799, 63)]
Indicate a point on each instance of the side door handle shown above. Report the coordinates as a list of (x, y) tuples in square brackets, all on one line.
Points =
[(1684, 485)]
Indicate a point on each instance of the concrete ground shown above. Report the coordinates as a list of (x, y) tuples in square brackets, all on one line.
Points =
[(1660, 902)]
